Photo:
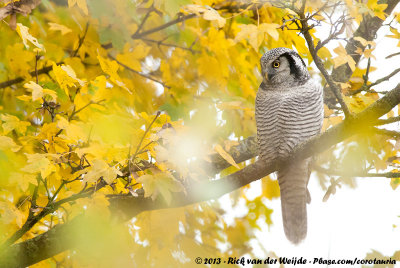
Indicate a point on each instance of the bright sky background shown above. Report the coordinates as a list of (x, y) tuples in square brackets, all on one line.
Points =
[(353, 222)]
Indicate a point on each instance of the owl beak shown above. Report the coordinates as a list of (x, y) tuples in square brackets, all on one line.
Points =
[(266, 76)]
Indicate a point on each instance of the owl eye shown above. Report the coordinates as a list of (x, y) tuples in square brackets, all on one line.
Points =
[(276, 64)]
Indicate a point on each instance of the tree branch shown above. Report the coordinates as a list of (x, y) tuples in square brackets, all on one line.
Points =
[(361, 174), (383, 79), (17, 80), (137, 72), (161, 27), (390, 120), (23, 7)]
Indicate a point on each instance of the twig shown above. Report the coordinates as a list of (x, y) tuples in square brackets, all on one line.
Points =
[(81, 40), (37, 57), (365, 87), (156, 29), (74, 112), (144, 20), (160, 43), (57, 191), (387, 121), (383, 79), (161, 27), (137, 72), (355, 173), (392, 55), (144, 135), (386, 132)]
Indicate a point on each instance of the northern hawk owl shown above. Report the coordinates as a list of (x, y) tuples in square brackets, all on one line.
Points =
[(289, 111)]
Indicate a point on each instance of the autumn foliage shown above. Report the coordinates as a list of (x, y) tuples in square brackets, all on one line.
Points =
[(106, 100)]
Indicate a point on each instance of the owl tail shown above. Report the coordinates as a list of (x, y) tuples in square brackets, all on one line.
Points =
[(293, 180)]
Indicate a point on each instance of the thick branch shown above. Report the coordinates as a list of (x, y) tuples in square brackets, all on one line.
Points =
[(23, 7), (57, 239), (17, 80)]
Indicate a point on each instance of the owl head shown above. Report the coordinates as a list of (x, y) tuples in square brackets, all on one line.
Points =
[(283, 66)]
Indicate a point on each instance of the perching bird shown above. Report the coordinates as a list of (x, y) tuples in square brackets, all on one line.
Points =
[(289, 111)]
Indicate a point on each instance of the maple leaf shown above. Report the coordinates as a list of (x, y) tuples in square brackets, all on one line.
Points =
[(66, 77), (58, 27), (270, 188), (38, 163), (218, 148), (38, 92), (256, 34), (358, 102), (159, 183), (131, 57), (111, 67), (9, 214), (81, 4), (343, 58), (377, 9), (23, 180), (8, 143), (12, 122), (99, 168), (23, 32)]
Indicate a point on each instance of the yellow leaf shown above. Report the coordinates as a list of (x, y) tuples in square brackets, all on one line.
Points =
[(58, 27), (10, 214), (38, 92), (270, 188), (81, 4), (256, 35), (19, 59), (271, 29), (364, 42), (24, 98), (12, 122), (110, 67), (147, 182), (66, 77), (99, 168), (132, 56), (8, 143), (160, 183), (343, 58), (96, 205), (197, 9), (327, 111), (394, 183), (212, 14), (378, 9), (359, 102), (23, 180), (38, 163), (218, 148), (331, 121), (23, 32)]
